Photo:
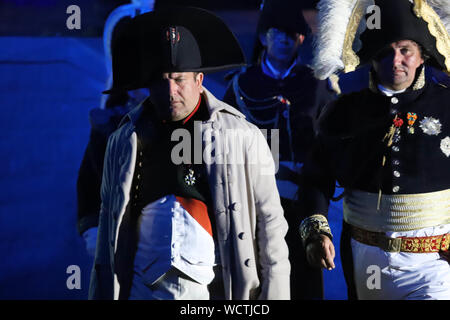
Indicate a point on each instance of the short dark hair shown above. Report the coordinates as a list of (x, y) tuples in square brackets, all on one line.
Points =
[(423, 52)]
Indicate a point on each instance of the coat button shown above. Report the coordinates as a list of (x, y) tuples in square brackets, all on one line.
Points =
[(396, 189), (242, 236), (236, 206), (248, 263), (396, 174), (394, 100)]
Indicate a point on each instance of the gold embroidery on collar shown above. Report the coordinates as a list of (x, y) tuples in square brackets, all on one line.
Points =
[(420, 82)]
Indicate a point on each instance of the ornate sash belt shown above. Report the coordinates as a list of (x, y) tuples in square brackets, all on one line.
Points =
[(402, 244), (397, 212)]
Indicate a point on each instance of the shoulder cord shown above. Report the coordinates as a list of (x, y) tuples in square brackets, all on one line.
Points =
[(279, 100), (245, 110)]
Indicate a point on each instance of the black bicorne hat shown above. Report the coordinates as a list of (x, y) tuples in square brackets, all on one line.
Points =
[(176, 39), (399, 22), (285, 15)]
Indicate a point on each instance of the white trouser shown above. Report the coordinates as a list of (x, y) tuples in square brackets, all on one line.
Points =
[(383, 275)]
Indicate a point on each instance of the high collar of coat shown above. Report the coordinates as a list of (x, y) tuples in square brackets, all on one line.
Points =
[(213, 104)]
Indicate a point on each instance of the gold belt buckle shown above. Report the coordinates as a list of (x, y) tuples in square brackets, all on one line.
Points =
[(392, 244)]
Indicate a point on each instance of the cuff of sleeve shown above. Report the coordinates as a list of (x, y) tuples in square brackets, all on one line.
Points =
[(312, 227)]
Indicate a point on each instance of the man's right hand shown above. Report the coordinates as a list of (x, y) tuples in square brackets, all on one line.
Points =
[(320, 253), (90, 238)]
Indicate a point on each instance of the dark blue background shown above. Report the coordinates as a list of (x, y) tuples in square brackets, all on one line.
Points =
[(50, 77)]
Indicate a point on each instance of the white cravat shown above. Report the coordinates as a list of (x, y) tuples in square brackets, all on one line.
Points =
[(389, 92)]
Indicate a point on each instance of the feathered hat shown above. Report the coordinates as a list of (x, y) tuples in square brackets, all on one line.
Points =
[(349, 35), (175, 39)]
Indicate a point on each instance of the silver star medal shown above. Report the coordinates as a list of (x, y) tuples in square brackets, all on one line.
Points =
[(189, 179), (445, 146), (430, 126)]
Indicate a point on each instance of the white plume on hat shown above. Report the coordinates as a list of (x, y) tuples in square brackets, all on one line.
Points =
[(334, 17), (442, 8)]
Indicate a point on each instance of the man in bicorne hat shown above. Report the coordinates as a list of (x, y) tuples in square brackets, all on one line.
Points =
[(190, 208), (279, 93), (388, 146), (104, 120)]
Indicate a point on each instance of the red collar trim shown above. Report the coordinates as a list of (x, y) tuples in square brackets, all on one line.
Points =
[(194, 111)]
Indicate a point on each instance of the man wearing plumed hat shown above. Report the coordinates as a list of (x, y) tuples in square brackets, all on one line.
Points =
[(388, 146), (190, 208)]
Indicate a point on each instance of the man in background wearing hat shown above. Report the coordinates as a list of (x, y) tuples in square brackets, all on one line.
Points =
[(388, 146), (190, 208), (104, 120), (280, 92)]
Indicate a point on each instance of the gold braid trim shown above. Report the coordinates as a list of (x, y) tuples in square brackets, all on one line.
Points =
[(436, 28), (312, 227), (349, 57)]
